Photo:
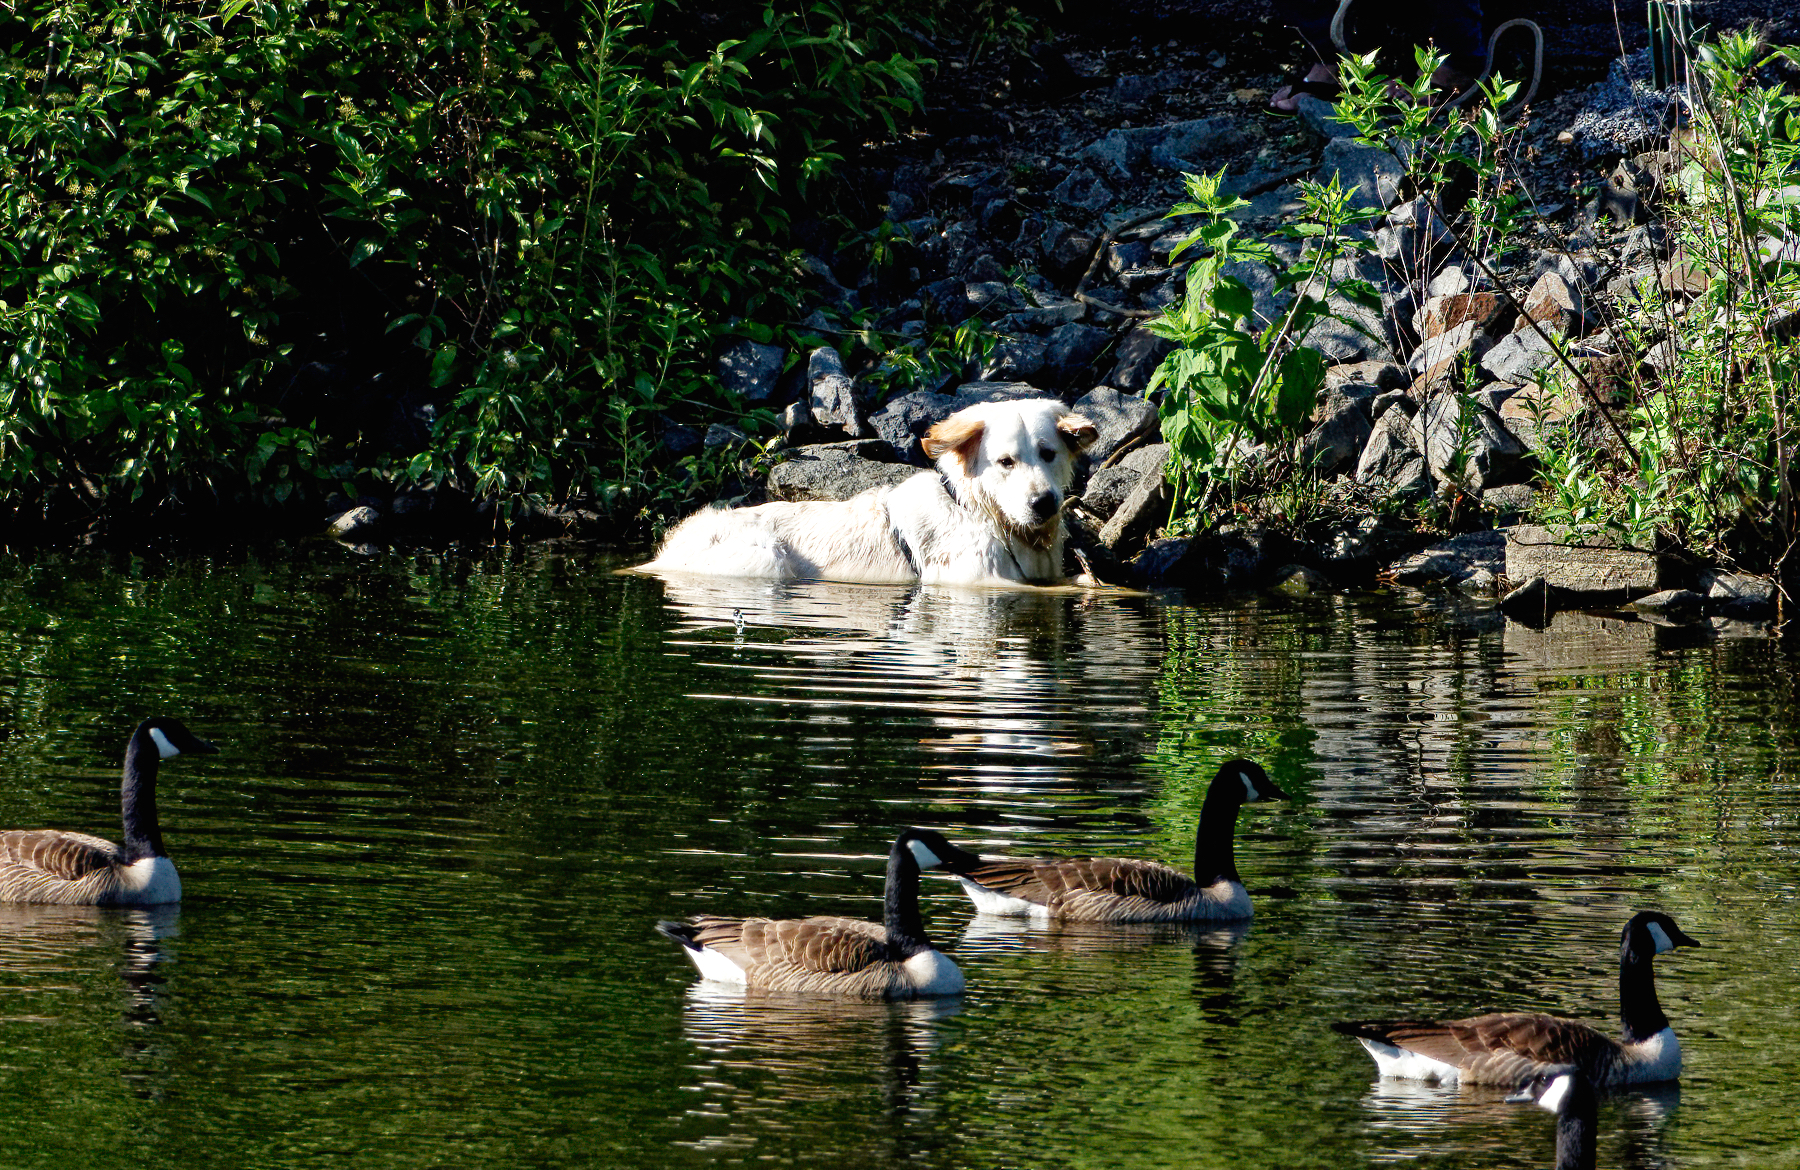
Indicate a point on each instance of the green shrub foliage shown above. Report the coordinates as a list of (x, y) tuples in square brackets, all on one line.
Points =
[(253, 251)]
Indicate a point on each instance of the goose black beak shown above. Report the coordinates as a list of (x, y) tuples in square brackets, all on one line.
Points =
[(204, 747), (1682, 940)]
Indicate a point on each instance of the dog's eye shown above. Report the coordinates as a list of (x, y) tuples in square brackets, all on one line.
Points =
[(1006, 461), (1048, 454)]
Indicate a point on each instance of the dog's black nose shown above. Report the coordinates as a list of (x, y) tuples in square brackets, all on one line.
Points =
[(1045, 505)]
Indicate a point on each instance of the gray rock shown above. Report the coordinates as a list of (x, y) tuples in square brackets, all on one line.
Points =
[(1083, 189), (1107, 487), (1140, 352), (1531, 602), (903, 421), (1271, 301), (832, 394), (1413, 239), (1494, 395), (1442, 359), (1453, 281), (1386, 400), (1536, 413), (1379, 374), (1300, 581), (1738, 594), (1465, 444), (1554, 303), (1141, 513), (1478, 580), (355, 525), (1354, 333), (1675, 605), (723, 435), (832, 474), (1118, 417), (1518, 356), (750, 369), (1124, 153), (1588, 568), (1069, 350), (1371, 542), (1321, 118), (797, 415), (1509, 503), (1391, 461), (1334, 445), (1017, 359), (1372, 171), (1453, 560), (1048, 313)]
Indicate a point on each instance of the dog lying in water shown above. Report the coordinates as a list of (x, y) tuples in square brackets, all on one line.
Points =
[(990, 513)]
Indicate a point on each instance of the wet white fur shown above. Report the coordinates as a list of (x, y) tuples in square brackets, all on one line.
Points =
[(1659, 936), (987, 534), (149, 881), (1392, 1061), (164, 748), (932, 973), (923, 855), (1655, 1059), (1553, 1096)]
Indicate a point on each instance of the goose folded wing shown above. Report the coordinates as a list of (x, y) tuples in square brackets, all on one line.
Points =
[(1042, 881), (1507, 1047), (69, 856), (812, 944)]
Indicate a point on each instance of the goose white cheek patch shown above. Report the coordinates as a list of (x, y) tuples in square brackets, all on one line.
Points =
[(1553, 1096), (1659, 936), (1250, 793), (923, 855), (164, 748)]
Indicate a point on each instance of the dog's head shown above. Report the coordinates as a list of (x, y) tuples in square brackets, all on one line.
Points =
[(1014, 460)]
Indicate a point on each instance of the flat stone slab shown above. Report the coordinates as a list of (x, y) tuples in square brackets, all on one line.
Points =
[(1588, 568), (802, 479)]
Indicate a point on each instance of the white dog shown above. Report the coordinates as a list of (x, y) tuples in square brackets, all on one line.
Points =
[(991, 512)]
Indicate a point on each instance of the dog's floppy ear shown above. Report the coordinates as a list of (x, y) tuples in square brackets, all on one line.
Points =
[(1077, 432), (955, 433)]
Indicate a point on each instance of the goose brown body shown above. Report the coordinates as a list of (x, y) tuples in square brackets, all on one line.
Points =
[(55, 867), (891, 959), (1510, 1048), (1121, 890)]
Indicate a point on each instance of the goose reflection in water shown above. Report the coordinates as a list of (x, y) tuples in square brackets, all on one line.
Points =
[(1470, 1119), (812, 1047), (45, 950)]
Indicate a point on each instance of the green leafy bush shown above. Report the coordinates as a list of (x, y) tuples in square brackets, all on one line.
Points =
[(537, 225)]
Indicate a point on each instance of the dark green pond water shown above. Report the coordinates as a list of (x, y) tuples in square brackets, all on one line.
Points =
[(453, 797)]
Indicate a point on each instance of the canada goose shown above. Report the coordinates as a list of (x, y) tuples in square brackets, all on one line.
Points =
[(1117, 889), (835, 956), (1508, 1048), (51, 866), (1569, 1095)]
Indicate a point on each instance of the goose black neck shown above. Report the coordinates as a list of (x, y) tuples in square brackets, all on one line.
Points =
[(137, 799), (1639, 1010), (1575, 1123), (1215, 858), (905, 927)]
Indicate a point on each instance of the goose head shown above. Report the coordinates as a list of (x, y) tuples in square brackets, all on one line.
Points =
[(929, 849), (1649, 933), (1560, 1089), (171, 738), (1245, 782)]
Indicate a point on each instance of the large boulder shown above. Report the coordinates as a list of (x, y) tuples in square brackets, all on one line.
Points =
[(832, 393), (1123, 154), (834, 471), (1588, 569), (1118, 417), (1108, 487), (750, 369), (1466, 444), (1391, 462), (903, 421), (1070, 349), (1140, 352), (1370, 171), (1335, 444)]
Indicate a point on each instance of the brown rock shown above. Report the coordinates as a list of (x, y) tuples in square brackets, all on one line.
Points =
[(1442, 314), (1535, 411), (1555, 304)]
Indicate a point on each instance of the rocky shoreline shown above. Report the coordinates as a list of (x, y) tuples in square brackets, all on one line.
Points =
[(1052, 244)]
